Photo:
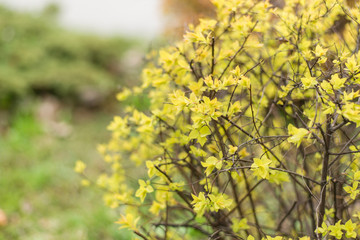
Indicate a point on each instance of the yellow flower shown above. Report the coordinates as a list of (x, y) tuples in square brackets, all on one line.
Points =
[(350, 228), (151, 167), (143, 189), (352, 190), (274, 238), (319, 51), (123, 95), (336, 230), (197, 87), (323, 229), (308, 82), (337, 82), (156, 207), (85, 182), (200, 203), (260, 167), (219, 201), (128, 221), (351, 64), (232, 149), (297, 134), (79, 166), (278, 177), (210, 164), (239, 224)]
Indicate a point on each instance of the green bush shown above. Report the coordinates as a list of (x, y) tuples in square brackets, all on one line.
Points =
[(252, 130), (38, 56)]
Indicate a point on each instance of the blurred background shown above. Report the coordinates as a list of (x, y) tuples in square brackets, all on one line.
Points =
[(61, 64), (141, 18)]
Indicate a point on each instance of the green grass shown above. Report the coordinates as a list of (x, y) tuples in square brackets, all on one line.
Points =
[(39, 191)]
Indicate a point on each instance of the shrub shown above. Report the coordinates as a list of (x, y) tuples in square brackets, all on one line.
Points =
[(252, 131), (37, 56)]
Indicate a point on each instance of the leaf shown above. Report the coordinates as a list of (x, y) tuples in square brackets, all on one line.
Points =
[(336, 230), (128, 221), (205, 131), (351, 64), (239, 225), (79, 166), (308, 82), (211, 163), (319, 51), (350, 228), (297, 134), (232, 149), (357, 176), (143, 189), (194, 134), (260, 167), (200, 203), (337, 82)]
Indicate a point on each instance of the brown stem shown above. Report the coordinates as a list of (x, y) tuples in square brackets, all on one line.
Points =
[(286, 215), (324, 172)]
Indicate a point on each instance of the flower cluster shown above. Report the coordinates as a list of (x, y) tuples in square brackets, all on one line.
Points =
[(252, 128)]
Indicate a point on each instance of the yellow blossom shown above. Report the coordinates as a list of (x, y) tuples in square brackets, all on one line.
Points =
[(79, 166)]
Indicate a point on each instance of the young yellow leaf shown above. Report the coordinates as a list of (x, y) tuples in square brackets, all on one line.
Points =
[(337, 82), (201, 203), (296, 134), (350, 229), (211, 163), (143, 189), (260, 167), (351, 64), (232, 149), (128, 221), (336, 230), (239, 224), (219, 201), (79, 166), (308, 82), (319, 51)]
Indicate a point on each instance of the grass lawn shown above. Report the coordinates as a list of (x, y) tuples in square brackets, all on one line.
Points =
[(39, 191)]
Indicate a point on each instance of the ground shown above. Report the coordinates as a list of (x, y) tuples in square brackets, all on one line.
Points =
[(40, 193)]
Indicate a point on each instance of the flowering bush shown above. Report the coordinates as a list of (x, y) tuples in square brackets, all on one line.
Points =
[(252, 132)]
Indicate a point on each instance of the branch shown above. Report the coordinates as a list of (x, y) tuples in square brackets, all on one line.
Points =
[(286, 215), (175, 225)]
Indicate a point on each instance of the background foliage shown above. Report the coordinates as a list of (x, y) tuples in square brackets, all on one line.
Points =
[(56, 95), (40, 57)]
